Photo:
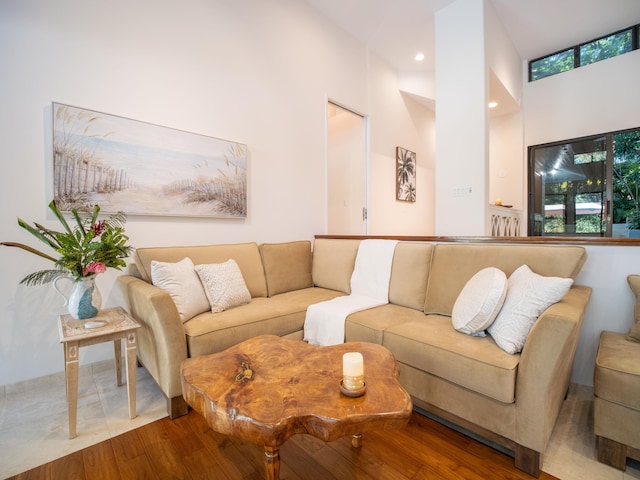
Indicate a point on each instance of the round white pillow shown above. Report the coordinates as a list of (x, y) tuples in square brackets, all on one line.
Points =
[(479, 301)]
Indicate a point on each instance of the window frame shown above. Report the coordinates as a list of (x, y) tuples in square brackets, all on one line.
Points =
[(609, 188), (635, 44)]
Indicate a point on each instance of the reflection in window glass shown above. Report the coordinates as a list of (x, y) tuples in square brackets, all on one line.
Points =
[(556, 63), (580, 158), (606, 47)]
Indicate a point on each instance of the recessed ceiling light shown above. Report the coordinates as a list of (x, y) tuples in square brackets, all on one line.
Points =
[(419, 57), (493, 104)]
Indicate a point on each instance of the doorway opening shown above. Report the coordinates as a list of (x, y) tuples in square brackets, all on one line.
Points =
[(347, 150)]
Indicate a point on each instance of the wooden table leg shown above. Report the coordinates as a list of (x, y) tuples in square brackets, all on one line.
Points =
[(117, 348), (272, 463), (71, 350), (130, 360), (356, 440)]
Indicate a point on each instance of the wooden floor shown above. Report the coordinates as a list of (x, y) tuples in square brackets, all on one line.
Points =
[(186, 448)]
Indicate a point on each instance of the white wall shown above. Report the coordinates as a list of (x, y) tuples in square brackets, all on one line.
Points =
[(254, 72), (597, 98), (462, 87), (611, 304), (399, 120), (507, 165)]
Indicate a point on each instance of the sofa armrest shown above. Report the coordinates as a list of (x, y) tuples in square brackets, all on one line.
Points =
[(545, 367), (161, 340)]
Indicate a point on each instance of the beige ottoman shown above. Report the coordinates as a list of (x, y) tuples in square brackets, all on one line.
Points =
[(616, 385)]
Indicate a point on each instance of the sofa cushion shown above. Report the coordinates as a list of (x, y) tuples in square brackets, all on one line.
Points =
[(183, 284), (480, 301), (369, 325), (617, 372), (634, 331), (528, 295), (223, 284), (278, 315), (409, 274), (246, 255), (333, 263), (287, 266), (476, 363), (454, 264)]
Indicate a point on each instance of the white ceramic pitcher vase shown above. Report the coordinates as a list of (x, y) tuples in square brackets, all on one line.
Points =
[(85, 300)]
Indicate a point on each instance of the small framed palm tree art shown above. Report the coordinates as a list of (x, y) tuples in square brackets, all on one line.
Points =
[(405, 175)]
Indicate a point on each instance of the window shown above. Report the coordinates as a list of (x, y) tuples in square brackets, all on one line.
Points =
[(588, 186), (593, 51), (556, 63), (606, 47)]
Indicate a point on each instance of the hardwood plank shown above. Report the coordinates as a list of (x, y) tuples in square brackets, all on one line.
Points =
[(367, 460), (100, 462), (131, 457), (163, 457), (70, 467), (43, 472)]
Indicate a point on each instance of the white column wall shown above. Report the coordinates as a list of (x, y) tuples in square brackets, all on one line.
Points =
[(461, 120)]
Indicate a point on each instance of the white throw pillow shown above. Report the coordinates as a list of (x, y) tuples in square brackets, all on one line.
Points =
[(479, 301), (224, 285), (528, 295), (183, 284)]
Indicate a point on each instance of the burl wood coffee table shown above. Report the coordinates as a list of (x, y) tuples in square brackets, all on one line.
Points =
[(267, 389)]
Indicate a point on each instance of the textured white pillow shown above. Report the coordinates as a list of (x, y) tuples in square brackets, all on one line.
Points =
[(479, 301), (224, 285), (528, 295), (183, 284)]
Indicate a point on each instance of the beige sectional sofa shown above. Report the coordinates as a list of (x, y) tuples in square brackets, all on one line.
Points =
[(510, 399)]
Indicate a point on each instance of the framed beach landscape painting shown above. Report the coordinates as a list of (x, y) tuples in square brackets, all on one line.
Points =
[(144, 169)]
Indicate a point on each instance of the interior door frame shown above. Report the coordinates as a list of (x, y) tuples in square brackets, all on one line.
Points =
[(365, 160)]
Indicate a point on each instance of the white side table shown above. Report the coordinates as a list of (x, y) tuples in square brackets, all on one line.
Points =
[(112, 324)]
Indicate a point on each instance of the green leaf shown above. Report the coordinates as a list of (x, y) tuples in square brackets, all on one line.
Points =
[(42, 277), (28, 249)]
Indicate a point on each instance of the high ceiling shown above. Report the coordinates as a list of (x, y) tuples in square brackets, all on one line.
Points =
[(397, 29)]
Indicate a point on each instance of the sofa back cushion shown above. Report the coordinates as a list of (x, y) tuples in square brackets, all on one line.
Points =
[(287, 266), (454, 265), (409, 274), (246, 255), (333, 263)]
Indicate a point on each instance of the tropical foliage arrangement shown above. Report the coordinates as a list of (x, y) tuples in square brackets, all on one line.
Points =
[(90, 247)]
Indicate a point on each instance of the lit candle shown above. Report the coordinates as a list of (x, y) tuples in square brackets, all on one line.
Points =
[(352, 370)]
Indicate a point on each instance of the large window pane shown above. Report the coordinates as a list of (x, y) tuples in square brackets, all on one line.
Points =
[(626, 179), (557, 63), (569, 188), (606, 47), (588, 186)]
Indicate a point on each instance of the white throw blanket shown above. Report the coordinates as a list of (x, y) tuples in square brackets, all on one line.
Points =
[(324, 323)]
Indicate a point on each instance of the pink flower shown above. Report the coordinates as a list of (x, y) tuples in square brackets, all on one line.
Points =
[(99, 227), (94, 267)]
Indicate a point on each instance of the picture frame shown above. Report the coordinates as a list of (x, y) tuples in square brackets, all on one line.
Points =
[(144, 169), (405, 175)]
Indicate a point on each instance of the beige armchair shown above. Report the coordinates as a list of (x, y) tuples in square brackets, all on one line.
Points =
[(616, 386)]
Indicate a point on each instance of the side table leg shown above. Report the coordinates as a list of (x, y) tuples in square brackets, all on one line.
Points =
[(71, 376), (356, 440), (131, 365), (272, 463), (117, 348)]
